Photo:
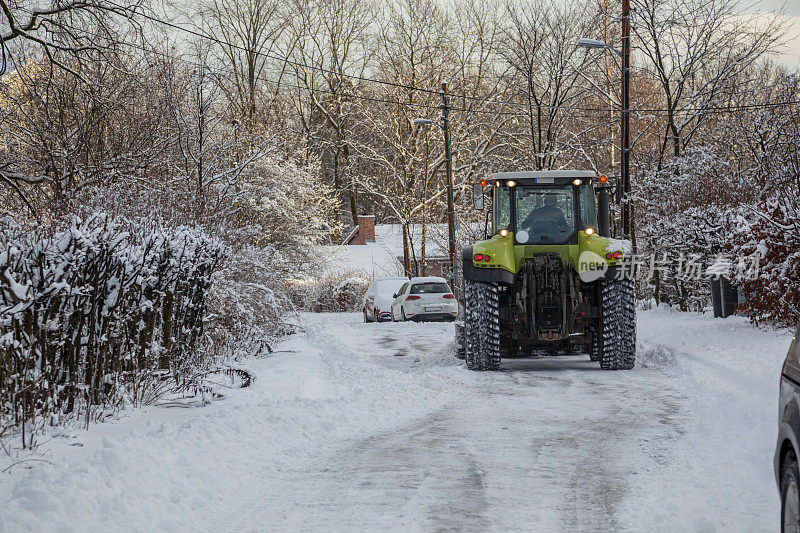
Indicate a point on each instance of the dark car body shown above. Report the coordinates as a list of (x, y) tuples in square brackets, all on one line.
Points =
[(789, 407), (787, 449)]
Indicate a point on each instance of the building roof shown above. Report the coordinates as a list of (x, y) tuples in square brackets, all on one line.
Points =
[(384, 257), (436, 239), (370, 260), (390, 236)]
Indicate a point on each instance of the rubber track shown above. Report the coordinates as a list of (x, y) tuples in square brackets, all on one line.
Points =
[(482, 323)]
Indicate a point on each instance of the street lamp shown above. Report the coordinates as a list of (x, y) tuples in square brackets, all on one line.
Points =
[(594, 43), (451, 225), (625, 54)]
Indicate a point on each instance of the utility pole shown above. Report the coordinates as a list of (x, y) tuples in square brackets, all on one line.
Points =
[(612, 130), (451, 223), (627, 228)]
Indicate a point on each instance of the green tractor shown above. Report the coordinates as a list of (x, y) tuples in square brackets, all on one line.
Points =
[(546, 281)]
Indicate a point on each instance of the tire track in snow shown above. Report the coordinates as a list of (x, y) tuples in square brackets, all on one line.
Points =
[(265, 494), (551, 443)]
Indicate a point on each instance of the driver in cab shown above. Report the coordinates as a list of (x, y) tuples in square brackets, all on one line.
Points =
[(547, 215)]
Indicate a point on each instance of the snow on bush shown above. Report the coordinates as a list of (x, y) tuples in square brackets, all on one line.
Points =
[(248, 305), (329, 293), (773, 231), (267, 220), (687, 207), (92, 311)]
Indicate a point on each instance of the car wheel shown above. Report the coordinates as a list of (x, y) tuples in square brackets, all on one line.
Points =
[(375, 317), (403, 313), (365, 316), (790, 497)]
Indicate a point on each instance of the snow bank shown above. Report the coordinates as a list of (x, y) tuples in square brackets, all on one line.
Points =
[(718, 476)]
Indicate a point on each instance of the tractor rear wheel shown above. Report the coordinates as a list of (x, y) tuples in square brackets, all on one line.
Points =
[(482, 325), (616, 339)]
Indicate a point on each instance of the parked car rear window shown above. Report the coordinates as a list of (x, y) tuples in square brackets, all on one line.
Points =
[(429, 288)]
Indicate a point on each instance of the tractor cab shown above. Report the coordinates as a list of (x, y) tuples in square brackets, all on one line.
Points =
[(547, 208)]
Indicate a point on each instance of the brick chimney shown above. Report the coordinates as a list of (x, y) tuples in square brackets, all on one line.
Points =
[(366, 228)]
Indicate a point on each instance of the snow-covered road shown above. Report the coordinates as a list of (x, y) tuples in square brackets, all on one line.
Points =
[(378, 427)]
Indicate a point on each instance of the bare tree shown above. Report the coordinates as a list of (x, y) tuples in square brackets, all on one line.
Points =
[(67, 28), (62, 133), (420, 45), (331, 56), (698, 50), (251, 53), (213, 151), (539, 45)]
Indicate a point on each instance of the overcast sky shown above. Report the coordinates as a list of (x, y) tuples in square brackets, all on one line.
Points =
[(791, 8)]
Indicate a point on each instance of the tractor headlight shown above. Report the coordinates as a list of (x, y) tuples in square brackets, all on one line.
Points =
[(588, 231), (504, 233)]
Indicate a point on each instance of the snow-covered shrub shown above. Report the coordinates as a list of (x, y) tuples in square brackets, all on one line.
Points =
[(329, 293), (267, 219), (349, 293), (291, 207), (773, 231), (685, 209), (248, 305), (91, 309)]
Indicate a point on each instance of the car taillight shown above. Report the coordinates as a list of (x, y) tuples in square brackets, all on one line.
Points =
[(449, 296), (412, 297), (478, 257)]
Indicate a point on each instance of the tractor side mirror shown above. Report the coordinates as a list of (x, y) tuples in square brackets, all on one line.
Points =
[(477, 197)]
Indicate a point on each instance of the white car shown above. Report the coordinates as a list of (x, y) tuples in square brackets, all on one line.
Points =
[(425, 299), (378, 299)]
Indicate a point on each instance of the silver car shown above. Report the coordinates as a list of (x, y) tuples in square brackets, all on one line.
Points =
[(427, 298), (378, 299)]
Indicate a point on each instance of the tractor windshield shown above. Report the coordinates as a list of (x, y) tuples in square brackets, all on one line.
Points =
[(545, 214)]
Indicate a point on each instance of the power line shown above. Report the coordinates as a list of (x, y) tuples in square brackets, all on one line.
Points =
[(432, 91), (524, 111), (284, 84), (340, 74), (267, 55)]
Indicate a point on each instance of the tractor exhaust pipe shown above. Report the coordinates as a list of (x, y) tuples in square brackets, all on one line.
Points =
[(603, 215)]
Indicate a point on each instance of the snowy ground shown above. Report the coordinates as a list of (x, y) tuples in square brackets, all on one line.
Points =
[(377, 427)]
